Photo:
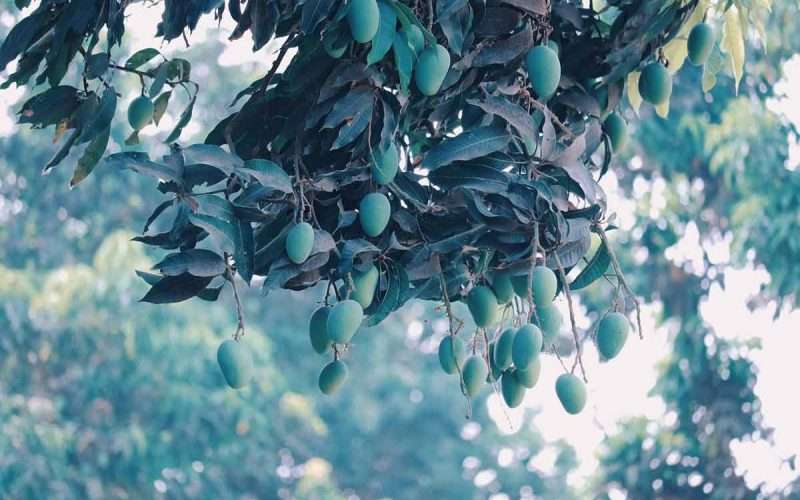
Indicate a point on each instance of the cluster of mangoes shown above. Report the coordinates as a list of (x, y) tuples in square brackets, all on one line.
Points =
[(513, 357), (433, 61)]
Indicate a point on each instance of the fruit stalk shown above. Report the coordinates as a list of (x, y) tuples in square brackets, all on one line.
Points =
[(621, 279), (578, 353)]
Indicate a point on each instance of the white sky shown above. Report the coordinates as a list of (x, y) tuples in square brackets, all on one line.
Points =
[(618, 389)]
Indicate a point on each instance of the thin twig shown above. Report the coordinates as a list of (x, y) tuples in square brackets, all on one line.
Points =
[(231, 277), (578, 353), (621, 279), (451, 323)]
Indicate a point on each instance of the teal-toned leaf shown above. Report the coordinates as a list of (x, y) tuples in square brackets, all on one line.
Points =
[(386, 31), (90, 158), (197, 262), (141, 57), (170, 289), (466, 146), (594, 270)]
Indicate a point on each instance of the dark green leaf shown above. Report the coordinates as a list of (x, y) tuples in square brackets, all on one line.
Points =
[(170, 289), (466, 146), (594, 270), (141, 57), (194, 261)]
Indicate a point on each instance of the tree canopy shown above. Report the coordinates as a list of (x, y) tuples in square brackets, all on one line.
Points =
[(447, 151)]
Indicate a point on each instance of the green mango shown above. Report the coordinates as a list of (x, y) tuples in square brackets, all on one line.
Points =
[(530, 375), (544, 70), (300, 242), (366, 282), (431, 69), (140, 112), (363, 16), (344, 320), (482, 305), (385, 165), (549, 322), (503, 289), (617, 131), (451, 354), (332, 377), (318, 330), (235, 362), (612, 332), (545, 285), (502, 349), (526, 346), (474, 374), (655, 83), (374, 213), (700, 44), (571, 392), (513, 391)]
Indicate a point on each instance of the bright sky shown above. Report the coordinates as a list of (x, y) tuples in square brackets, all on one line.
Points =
[(619, 389)]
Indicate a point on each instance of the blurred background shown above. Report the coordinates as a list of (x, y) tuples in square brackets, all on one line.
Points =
[(105, 397)]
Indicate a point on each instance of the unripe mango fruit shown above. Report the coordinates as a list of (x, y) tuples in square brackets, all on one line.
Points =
[(318, 330), (366, 282), (451, 354), (544, 70), (374, 213), (300, 242), (526, 347), (544, 282), (474, 374), (332, 377), (344, 320), (363, 17), (502, 349), (617, 131), (482, 305), (385, 165), (431, 69), (655, 83), (549, 321), (140, 112), (700, 44), (612, 332), (513, 391), (503, 289), (571, 392), (530, 375), (235, 362)]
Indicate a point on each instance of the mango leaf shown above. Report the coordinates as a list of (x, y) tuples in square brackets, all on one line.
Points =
[(90, 158), (594, 270), (209, 154), (244, 253), (141, 163), (386, 32), (476, 177), (512, 113), (733, 43), (466, 146), (50, 107), (270, 175), (102, 118), (632, 86), (197, 262), (184, 119), (403, 59), (396, 288), (313, 13), (222, 232), (160, 106), (170, 289), (141, 57)]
